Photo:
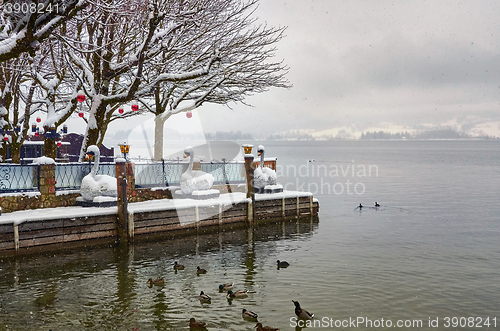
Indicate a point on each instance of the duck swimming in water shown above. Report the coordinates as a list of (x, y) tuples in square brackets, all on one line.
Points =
[(360, 206), (376, 204), (302, 313), (204, 297), (249, 315), (282, 264)]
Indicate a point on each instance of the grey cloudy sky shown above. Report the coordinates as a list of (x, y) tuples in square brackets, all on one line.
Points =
[(377, 64)]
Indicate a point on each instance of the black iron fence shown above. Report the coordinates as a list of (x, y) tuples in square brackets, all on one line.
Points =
[(22, 178), (19, 178), (69, 175), (169, 173)]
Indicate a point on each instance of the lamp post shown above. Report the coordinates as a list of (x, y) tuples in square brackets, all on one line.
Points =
[(124, 148)]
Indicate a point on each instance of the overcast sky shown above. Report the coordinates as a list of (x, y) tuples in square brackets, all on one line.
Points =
[(376, 64), (364, 66)]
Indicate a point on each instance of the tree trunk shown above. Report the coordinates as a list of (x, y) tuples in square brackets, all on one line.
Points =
[(93, 133), (3, 151), (15, 150), (159, 123), (49, 148)]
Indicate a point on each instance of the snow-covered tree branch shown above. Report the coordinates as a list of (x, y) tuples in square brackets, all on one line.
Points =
[(23, 29)]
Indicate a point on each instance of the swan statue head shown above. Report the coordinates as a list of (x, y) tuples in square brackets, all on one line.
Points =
[(189, 152), (94, 185), (260, 152), (194, 180), (263, 175), (93, 152)]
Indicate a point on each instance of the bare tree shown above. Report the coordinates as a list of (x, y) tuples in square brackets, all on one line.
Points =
[(17, 91), (111, 44), (175, 52), (245, 50), (26, 24)]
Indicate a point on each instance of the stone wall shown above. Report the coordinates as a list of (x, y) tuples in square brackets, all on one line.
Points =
[(46, 198)]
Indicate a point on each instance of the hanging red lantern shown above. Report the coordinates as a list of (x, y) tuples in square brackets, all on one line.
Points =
[(120, 110), (38, 119), (59, 144), (189, 114), (80, 97), (80, 114), (37, 134), (135, 107), (5, 138)]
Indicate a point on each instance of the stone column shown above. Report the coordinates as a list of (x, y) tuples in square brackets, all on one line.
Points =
[(47, 185)]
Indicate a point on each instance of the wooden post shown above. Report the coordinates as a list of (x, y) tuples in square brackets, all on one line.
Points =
[(122, 200), (249, 171), (298, 206), (311, 205), (283, 205), (16, 238)]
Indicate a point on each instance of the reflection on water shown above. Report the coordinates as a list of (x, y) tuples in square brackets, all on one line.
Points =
[(106, 287)]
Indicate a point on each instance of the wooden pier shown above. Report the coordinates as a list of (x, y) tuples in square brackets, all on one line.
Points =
[(53, 228)]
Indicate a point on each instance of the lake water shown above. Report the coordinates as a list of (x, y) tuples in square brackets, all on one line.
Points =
[(428, 254)]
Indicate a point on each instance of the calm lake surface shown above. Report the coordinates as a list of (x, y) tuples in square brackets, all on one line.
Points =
[(430, 251)]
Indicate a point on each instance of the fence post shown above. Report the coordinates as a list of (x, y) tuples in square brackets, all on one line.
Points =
[(47, 184), (249, 170), (122, 201)]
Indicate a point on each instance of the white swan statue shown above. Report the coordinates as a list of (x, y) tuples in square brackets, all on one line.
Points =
[(94, 185), (194, 180), (263, 176)]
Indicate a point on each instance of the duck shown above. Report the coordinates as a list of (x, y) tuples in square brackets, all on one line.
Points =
[(225, 287), (194, 180), (376, 204), (204, 297), (178, 266), (360, 206), (200, 271), (302, 313), (237, 294), (282, 264), (249, 315), (94, 185), (265, 328), (263, 175), (193, 324), (157, 281)]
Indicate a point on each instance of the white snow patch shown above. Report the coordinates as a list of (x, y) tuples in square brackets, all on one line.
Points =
[(43, 160), (205, 192)]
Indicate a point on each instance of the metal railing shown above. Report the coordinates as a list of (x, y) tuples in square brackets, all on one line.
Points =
[(226, 172), (19, 178), (69, 175), (169, 173)]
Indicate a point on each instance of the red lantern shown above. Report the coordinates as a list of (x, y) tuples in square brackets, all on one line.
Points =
[(37, 134), (189, 114), (135, 107), (80, 98), (120, 111), (5, 138), (38, 119), (80, 114), (59, 144)]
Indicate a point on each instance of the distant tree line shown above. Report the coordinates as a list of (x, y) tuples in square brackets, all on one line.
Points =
[(431, 134), (238, 135)]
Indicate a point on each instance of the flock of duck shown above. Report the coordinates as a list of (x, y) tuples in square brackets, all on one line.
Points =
[(376, 205), (230, 294)]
